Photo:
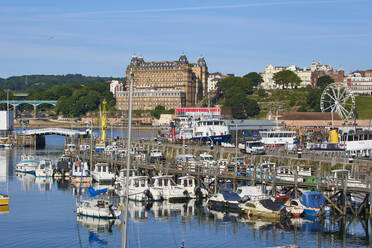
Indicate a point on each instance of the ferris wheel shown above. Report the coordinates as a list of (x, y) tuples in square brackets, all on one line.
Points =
[(338, 98)]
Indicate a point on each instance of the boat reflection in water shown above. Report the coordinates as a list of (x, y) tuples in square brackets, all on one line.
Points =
[(44, 184), (97, 226), (4, 209), (27, 180)]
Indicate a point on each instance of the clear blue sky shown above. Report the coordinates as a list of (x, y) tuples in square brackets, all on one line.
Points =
[(96, 37)]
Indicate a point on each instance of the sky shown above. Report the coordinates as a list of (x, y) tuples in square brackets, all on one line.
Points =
[(98, 38)]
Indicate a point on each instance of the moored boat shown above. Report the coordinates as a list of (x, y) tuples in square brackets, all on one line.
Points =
[(225, 201), (102, 173), (98, 208), (4, 200), (45, 168), (264, 208), (28, 164)]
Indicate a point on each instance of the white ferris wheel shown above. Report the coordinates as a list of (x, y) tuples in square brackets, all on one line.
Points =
[(338, 98)]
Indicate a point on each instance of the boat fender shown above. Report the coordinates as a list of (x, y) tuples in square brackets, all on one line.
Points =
[(198, 193), (148, 195)]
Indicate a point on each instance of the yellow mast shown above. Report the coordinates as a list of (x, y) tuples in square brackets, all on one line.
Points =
[(103, 121)]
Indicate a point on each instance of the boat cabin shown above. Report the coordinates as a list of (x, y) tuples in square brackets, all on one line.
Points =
[(340, 174), (164, 181), (312, 199), (102, 168), (45, 164), (187, 182), (80, 169), (138, 182)]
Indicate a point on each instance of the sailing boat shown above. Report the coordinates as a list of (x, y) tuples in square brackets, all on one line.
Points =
[(98, 208)]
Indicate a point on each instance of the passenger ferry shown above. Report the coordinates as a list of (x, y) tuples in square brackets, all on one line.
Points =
[(357, 143), (207, 129), (279, 137)]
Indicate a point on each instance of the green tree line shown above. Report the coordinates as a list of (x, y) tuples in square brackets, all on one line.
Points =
[(42, 82)]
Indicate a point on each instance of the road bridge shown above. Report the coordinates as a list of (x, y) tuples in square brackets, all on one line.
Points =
[(42, 132), (34, 103)]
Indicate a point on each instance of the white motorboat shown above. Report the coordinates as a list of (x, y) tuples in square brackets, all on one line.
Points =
[(264, 208), (139, 190), (224, 201), (28, 164), (189, 183), (44, 169), (98, 208), (102, 174), (121, 179), (207, 160), (155, 155), (251, 192), (168, 188)]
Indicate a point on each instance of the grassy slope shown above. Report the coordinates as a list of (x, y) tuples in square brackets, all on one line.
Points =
[(363, 107)]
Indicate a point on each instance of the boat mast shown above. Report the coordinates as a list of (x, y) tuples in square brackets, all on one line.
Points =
[(125, 217)]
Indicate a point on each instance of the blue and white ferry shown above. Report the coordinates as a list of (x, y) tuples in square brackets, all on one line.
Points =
[(206, 129)]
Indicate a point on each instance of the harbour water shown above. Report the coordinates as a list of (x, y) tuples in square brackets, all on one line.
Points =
[(42, 214)]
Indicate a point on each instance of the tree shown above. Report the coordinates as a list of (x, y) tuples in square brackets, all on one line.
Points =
[(157, 111), (242, 107), (324, 81), (313, 99), (255, 78), (286, 78), (261, 93)]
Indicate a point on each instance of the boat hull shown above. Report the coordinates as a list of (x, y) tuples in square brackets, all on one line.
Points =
[(224, 206), (216, 139), (4, 201)]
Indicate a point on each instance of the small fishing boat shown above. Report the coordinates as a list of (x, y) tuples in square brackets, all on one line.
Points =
[(102, 174), (64, 165), (80, 173), (44, 169), (313, 204), (168, 188), (264, 208), (189, 183), (4, 200), (224, 201), (28, 164), (98, 208)]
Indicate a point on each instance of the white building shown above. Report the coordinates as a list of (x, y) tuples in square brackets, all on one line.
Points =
[(303, 73), (360, 82), (116, 86), (213, 79), (6, 120)]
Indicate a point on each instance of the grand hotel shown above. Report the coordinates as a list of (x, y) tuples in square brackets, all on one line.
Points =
[(172, 84)]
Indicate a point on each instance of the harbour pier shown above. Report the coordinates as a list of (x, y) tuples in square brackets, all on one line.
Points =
[(336, 191)]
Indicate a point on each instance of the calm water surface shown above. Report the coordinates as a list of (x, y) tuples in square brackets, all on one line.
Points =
[(42, 214)]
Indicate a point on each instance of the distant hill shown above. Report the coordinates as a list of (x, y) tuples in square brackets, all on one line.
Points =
[(42, 82)]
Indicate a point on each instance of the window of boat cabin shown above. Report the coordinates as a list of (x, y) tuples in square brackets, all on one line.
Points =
[(185, 182), (190, 182), (160, 182), (143, 182), (103, 168), (165, 182), (136, 183)]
